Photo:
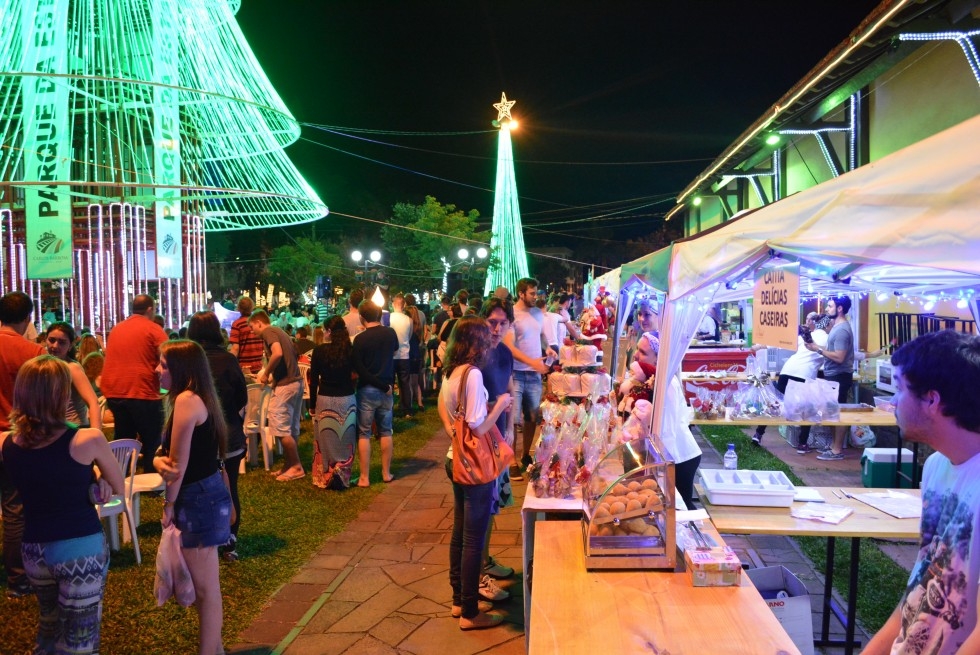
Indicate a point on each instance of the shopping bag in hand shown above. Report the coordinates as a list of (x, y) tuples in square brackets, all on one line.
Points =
[(173, 578)]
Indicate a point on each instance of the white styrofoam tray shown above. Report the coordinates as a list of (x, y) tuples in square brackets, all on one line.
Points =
[(748, 488)]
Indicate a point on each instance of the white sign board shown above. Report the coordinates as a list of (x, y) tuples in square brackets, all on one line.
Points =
[(776, 306)]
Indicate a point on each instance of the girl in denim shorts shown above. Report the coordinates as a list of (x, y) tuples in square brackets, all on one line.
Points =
[(197, 501)]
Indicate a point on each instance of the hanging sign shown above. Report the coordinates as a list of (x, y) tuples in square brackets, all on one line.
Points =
[(47, 145), (776, 306), (166, 139)]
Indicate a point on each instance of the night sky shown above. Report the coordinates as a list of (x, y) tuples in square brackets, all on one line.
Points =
[(620, 104)]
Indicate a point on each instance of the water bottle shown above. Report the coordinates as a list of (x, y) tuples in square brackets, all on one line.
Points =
[(731, 458)]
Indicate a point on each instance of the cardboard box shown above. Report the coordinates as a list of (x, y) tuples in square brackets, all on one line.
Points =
[(715, 567), (789, 600), (878, 467)]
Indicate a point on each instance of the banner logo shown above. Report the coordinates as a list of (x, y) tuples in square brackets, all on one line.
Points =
[(169, 245), (49, 243)]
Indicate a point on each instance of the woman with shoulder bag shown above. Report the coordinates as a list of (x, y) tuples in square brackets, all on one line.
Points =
[(196, 498), (468, 345)]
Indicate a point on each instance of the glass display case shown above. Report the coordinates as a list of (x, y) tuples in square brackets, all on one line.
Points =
[(628, 519)]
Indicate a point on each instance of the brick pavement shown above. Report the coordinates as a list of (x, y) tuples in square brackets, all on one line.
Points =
[(382, 585)]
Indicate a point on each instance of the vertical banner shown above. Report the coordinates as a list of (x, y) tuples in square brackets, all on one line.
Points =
[(776, 306), (166, 140), (47, 141)]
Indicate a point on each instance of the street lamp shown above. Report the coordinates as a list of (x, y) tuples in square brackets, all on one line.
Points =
[(373, 258), (465, 262)]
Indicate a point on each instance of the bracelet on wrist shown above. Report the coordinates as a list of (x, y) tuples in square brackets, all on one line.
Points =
[(168, 503)]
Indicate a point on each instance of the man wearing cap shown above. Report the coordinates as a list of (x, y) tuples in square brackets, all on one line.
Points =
[(801, 366), (838, 364)]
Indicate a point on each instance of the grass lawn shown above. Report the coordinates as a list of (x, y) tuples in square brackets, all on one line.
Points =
[(881, 581), (283, 524)]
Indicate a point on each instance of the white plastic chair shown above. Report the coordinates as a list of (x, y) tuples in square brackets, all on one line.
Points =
[(144, 483), (108, 420), (126, 452), (257, 424)]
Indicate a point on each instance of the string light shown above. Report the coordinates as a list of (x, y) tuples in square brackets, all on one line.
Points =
[(963, 39)]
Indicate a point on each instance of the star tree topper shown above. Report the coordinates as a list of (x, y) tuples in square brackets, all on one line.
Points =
[(503, 107)]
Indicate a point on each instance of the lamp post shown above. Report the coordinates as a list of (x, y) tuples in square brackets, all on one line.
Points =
[(373, 258), (466, 263)]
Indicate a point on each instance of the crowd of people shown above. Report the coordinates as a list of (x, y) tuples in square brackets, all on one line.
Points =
[(184, 399)]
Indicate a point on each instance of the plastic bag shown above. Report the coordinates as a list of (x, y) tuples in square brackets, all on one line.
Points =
[(802, 401), (173, 578), (862, 436), (828, 408), (758, 398)]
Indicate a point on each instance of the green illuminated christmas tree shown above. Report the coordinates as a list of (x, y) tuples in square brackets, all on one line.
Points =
[(507, 242), (129, 128)]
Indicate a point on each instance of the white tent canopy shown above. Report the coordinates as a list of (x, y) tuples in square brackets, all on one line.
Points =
[(907, 222)]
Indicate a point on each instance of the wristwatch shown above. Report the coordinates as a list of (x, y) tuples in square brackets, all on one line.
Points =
[(819, 351)]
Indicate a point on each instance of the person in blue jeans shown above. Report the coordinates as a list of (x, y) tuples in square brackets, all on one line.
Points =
[(468, 347), (374, 361)]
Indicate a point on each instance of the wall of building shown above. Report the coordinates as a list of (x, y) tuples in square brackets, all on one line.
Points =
[(931, 90)]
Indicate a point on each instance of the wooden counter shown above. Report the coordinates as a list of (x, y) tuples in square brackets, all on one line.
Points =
[(577, 611)]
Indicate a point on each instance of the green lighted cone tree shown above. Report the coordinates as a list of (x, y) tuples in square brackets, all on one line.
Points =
[(507, 241), (128, 129)]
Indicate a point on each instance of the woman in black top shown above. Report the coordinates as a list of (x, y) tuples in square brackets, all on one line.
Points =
[(50, 463), (335, 416), (195, 438), (232, 389)]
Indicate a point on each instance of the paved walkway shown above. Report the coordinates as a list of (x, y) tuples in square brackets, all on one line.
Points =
[(382, 586)]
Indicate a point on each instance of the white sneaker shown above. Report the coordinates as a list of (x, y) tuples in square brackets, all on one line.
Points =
[(490, 590)]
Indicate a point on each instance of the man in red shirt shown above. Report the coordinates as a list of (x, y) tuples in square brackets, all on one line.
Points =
[(15, 315), (129, 379), (247, 346)]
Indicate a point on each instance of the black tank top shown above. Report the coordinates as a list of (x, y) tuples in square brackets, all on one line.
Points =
[(203, 460), (54, 489)]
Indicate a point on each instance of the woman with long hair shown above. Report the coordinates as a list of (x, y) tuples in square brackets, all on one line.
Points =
[(86, 345), (415, 354), (50, 462), (468, 346), (93, 365), (229, 382), (335, 413), (195, 439), (83, 406)]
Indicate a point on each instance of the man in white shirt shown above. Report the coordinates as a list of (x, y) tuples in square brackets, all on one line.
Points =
[(352, 319), (937, 376), (526, 344), (801, 366), (400, 322)]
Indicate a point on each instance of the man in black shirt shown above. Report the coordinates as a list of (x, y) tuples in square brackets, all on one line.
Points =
[(374, 361)]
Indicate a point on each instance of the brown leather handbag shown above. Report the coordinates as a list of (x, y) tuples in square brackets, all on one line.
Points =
[(477, 459)]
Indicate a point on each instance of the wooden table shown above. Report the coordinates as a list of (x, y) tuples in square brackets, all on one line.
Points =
[(866, 521), (575, 611), (875, 417)]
